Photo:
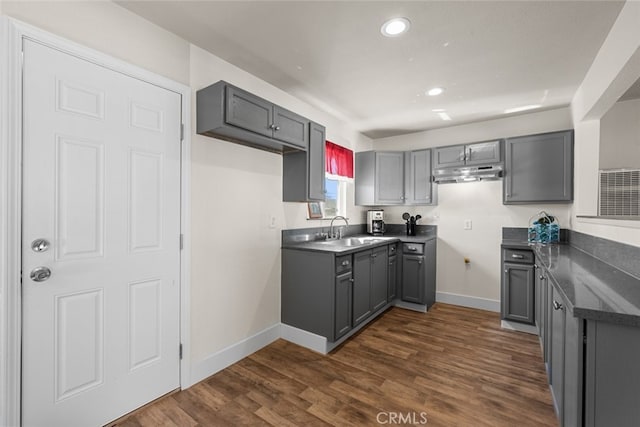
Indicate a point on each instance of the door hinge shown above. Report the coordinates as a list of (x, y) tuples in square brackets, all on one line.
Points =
[(180, 351), (181, 241), (181, 132)]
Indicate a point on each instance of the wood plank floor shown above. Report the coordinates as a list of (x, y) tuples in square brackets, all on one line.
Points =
[(453, 366)]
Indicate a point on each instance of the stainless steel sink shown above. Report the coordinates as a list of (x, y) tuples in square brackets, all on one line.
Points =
[(355, 241)]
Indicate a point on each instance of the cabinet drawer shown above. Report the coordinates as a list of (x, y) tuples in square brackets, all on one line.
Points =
[(413, 248), (343, 264), (518, 255)]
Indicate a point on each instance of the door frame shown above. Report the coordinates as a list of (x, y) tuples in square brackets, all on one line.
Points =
[(12, 33)]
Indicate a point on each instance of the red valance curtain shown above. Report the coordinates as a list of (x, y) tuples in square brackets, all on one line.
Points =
[(338, 160)]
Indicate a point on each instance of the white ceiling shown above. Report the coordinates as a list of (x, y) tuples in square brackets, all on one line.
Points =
[(489, 55)]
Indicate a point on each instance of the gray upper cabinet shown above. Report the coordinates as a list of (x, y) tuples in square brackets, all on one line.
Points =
[(446, 157), (393, 178), (482, 153), (539, 168), (230, 113), (303, 172), (290, 127), (248, 111), (389, 178), (478, 153), (418, 183)]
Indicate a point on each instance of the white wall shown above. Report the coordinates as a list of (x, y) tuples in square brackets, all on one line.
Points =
[(107, 27), (620, 136), (615, 68), (235, 269), (481, 202)]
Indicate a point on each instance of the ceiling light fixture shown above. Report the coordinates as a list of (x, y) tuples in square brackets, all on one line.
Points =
[(523, 108), (435, 91), (395, 27)]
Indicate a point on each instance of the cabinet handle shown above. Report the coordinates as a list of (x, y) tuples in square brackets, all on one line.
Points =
[(345, 263), (352, 280), (412, 248), (535, 266), (420, 262), (557, 305), (277, 128), (374, 255), (517, 256), (542, 277), (506, 271)]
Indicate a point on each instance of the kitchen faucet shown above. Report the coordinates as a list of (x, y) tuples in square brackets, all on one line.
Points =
[(331, 235)]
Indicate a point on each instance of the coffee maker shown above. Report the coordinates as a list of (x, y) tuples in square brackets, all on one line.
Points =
[(375, 222)]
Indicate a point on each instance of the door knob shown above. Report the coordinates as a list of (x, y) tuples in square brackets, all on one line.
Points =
[(40, 274), (40, 245)]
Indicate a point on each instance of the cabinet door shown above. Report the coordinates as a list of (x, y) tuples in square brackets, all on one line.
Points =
[(483, 153), (445, 157), (518, 293), (539, 168), (392, 280), (418, 185), (316, 166), (290, 127), (343, 304), (429, 270), (248, 111), (557, 361), (413, 278), (389, 178), (361, 286), (379, 277)]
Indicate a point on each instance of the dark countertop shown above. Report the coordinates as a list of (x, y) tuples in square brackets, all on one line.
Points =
[(593, 289), (387, 238)]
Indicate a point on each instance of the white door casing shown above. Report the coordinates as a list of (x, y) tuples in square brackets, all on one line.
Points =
[(12, 33)]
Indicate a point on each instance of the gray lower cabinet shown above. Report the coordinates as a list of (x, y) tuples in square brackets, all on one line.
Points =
[(392, 281), (370, 287), (612, 375), (539, 168), (566, 339), (418, 273), (344, 305), (328, 294), (384, 178), (361, 286), (303, 172), (518, 286)]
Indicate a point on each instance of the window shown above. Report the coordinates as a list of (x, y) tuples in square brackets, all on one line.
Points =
[(339, 171), (336, 196)]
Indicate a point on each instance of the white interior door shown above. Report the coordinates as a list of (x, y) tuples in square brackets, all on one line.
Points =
[(101, 185)]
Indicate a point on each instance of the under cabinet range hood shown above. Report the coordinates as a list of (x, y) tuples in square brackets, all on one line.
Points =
[(467, 174)]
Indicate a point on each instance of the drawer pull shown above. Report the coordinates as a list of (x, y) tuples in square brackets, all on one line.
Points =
[(412, 248), (557, 305), (345, 263), (517, 256)]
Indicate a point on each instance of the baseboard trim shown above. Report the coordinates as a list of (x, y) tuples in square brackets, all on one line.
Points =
[(303, 338), (232, 354), (468, 301), (520, 327)]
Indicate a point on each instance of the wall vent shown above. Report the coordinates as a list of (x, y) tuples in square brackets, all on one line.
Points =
[(619, 193)]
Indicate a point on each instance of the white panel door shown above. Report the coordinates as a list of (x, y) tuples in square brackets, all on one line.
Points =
[(101, 184)]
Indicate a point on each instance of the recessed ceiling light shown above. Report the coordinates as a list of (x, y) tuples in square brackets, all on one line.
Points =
[(395, 27), (523, 108), (435, 91)]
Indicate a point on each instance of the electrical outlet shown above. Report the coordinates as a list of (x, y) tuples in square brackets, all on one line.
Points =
[(272, 221), (467, 224)]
